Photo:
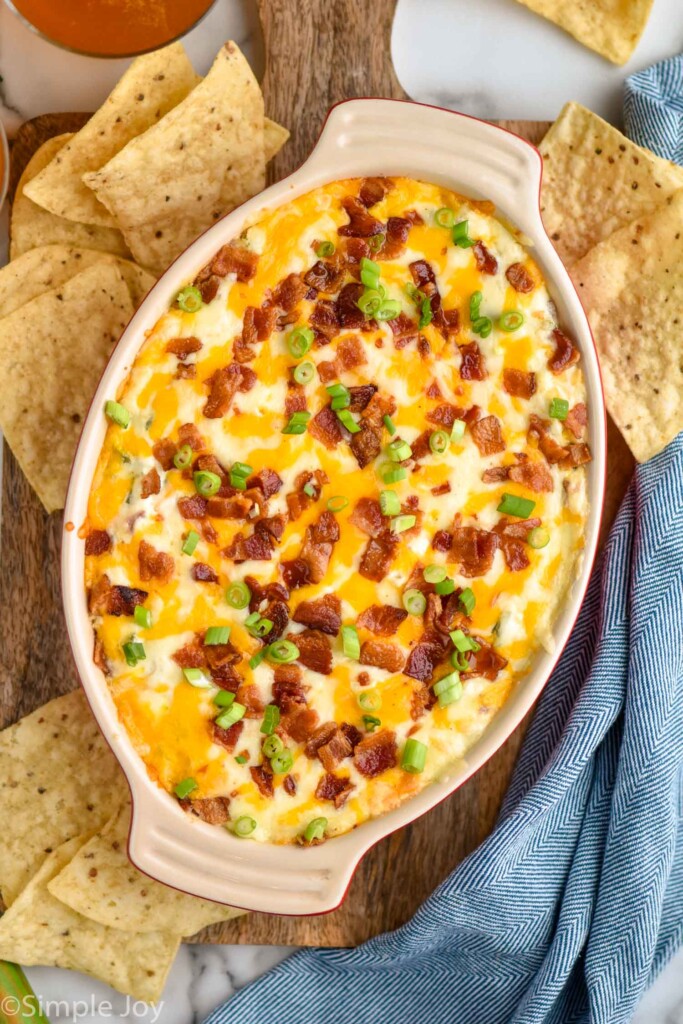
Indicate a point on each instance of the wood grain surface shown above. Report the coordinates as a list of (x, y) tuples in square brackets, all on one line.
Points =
[(338, 50)]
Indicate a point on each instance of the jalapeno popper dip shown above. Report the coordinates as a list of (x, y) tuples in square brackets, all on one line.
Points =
[(339, 503)]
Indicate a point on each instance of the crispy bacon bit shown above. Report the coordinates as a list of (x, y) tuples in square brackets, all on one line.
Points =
[(577, 420), (300, 723), (97, 542), (189, 434), (565, 353), (295, 399), (367, 516), (422, 273), (222, 387), (367, 444), (213, 809), (534, 475), (325, 321), (315, 553), (519, 383), (258, 548), (361, 223), (424, 658), (513, 536), (442, 541), (288, 691), (551, 449), (238, 507), (154, 565), (290, 292), (183, 347), (185, 371), (485, 260), (472, 366), (440, 489), (403, 329), (444, 415), (248, 694), (360, 396), (323, 614), (382, 655), (289, 785), (377, 557), (382, 620), (192, 655), (163, 451), (420, 445), (348, 314), (372, 190), (193, 508), (203, 573), (234, 259), (326, 428), (227, 738), (355, 249), (335, 748), (314, 651), (473, 549), (296, 573), (422, 700), (271, 526), (485, 662), (520, 278), (351, 353), (488, 436), (495, 474), (326, 275), (376, 753), (266, 481), (150, 484), (263, 777), (413, 216), (331, 787), (434, 391), (578, 454), (327, 371), (259, 324), (394, 244), (105, 599)]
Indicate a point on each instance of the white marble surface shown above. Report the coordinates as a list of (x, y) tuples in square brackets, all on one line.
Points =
[(490, 58)]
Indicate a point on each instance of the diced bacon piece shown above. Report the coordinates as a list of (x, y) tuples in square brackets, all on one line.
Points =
[(259, 323), (223, 384), (366, 445), (488, 436), (183, 347), (321, 735), (449, 323), (248, 379), (270, 592), (361, 224), (473, 550), (325, 321), (323, 614), (98, 542), (193, 507), (327, 275), (163, 451), (208, 285), (334, 750), (203, 573), (403, 329), (150, 484), (209, 463), (227, 738), (577, 420), (565, 353), (372, 190), (186, 371), (351, 353), (316, 549), (295, 399), (154, 565), (423, 346), (108, 599), (296, 573), (520, 278), (367, 516), (376, 753), (394, 244), (422, 700), (314, 651), (472, 366), (440, 489), (551, 449), (238, 507), (534, 475), (325, 530), (300, 723), (382, 655), (485, 260), (434, 391), (485, 662), (327, 371), (513, 538), (271, 526), (420, 445), (444, 415), (236, 259), (192, 655), (331, 787), (578, 454), (377, 557), (442, 540), (263, 778), (258, 548), (495, 474), (215, 810), (361, 396), (327, 428), (382, 619), (242, 353), (348, 314), (249, 695), (188, 433), (413, 216), (290, 292), (288, 691), (422, 273), (267, 481), (355, 249), (353, 735), (289, 785), (424, 658), (519, 383)]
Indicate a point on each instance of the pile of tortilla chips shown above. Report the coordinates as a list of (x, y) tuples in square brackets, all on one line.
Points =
[(610, 27), (615, 214), (166, 156), (73, 898)]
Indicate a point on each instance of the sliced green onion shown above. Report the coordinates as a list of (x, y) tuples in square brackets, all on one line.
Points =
[(315, 829), (389, 310), (511, 321), (216, 635), (183, 457), (399, 450), (256, 659), (475, 304), (538, 538), (117, 413), (206, 483), (257, 626), (244, 826), (243, 468), (324, 249), (462, 642), (482, 326), (190, 299), (238, 595), (310, 489), (468, 600), (559, 408), (195, 677), (439, 442), (389, 424), (513, 505), (239, 472), (392, 474), (271, 720), (370, 273), (414, 756), (411, 291), (185, 787), (448, 689), (434, 573), (133, 652), (461, 235), (370, 301), (231, 715), (142, 616), (459, 661), (444, 587), (297, 423), (282, 762), (350, 642), (376, 242), (340, 395), (223, 699), (241, 759), (402, 523), (426, 312), (304, 372), (337, 503), (414, 602), (389, 503), (272, 745), (458, 430), (345, 418), (369, 700), (281, 652), (190, 543), (371, 722), (299, 341), (444, 217)]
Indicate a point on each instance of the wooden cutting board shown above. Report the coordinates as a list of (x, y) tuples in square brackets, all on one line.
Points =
[(340, 49)]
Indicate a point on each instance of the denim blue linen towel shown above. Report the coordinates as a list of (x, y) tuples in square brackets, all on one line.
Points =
[(573, 904)]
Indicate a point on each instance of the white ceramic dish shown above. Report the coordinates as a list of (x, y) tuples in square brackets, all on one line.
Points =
[(360, 137), (4, 165)]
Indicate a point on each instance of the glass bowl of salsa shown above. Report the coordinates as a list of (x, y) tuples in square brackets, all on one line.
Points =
[(111, 28)]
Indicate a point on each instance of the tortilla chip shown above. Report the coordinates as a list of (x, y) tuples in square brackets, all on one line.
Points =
[(595, 181), (49, 266), (198, 163), (58, 778), (632, 288), (53, 350), (610, 27), (274, 138), (38, 929), (31, 225), (100, 883), (152, 85)]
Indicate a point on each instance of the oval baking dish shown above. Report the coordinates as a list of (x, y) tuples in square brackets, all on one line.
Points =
[(361, 138)]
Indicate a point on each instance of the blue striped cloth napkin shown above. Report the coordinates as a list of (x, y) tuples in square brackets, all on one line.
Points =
[(573, 904)]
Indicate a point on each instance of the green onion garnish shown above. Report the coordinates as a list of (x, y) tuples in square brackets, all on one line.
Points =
[(461, 235), (190, 299), (448, 689), (392, 474), (389, 503), (376, 242), (324, 249), (414, 602), (411, 291), (133, 652), (444, 587), (439, 442), (117, 413), (244, 826), (559, 408), (183, 457), (434, 573), (444, 217), (299, 341), (282, 762), (257, 626), (389, 424), (239, 472), (370, 301), (371, 722), (304, 372), (511, 321), (195, 677), (231, 715), (142, 616), (513, 505), (190, 543), (426, 312), (345, 418), (482, 326), (223, 699), (185, 787), (337, 503), (241, 759), (389, 310), (458, 430), (242, 468), (310, 489), (475, 304), (350, 642), (272, 745), (216, 635), (538, 538), (297, 423), (414, 756), (459, 661), (402, 523), (281, 652), (206, 483), (468, 600), (256, 659), (369, 700), (462, 642), (271, 720), (370, 273), (399, 450), (238, 595), (315, 829), (340, 395)]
